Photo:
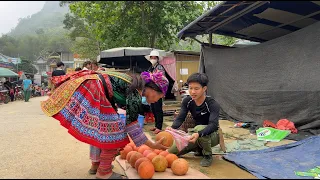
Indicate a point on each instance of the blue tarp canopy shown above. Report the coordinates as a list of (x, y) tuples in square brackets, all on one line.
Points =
[(258, 21)]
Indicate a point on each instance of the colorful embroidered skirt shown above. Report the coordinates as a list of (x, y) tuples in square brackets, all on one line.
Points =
[(87, 114)]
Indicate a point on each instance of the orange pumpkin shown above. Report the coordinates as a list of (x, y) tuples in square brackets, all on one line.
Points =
[(170, 158), (134, 157), (146, 152), (150, 156), (146, 170), (129, 155), (180, 167), (125, 151), (168, 138), (157, 151), (139, 161), (142, 148), (122, 155), (164, 153), (131, 145), (160, 163)]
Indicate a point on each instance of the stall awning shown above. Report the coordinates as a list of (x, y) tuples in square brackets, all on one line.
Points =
[(258, 21), (127, 51), (4, 72)]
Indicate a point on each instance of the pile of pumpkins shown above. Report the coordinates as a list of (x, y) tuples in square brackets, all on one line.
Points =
[(147, 161)]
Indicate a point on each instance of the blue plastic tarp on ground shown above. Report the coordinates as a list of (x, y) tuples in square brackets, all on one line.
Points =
[(280, 162)]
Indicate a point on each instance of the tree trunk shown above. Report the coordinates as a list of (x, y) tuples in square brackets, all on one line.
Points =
[(152, 40), (98, 45), (143, 19)]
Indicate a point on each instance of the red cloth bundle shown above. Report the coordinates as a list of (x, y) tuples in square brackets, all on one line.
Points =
[(282, 124)]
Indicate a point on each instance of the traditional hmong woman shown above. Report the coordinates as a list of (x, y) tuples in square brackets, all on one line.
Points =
[(84, 103)]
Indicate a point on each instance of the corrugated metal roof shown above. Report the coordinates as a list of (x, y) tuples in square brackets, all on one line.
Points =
[(258, 21)]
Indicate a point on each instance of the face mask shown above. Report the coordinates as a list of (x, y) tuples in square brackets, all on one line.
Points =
[(153, 61), (144, 100)]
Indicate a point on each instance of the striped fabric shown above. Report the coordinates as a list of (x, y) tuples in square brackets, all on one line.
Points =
[(95, 153), (106, 158), (136, 133)]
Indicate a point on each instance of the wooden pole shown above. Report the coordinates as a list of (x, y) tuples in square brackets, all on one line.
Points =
[(210, 39)]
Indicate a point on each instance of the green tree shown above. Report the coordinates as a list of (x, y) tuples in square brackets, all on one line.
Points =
[(8, 45), (135, 23), (26, 66), (86, 48)]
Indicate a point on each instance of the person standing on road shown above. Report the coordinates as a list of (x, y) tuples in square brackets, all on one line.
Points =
[(27, 88), (94, 151), (156, 107), (10, 88), (84, 103), (60, 70)]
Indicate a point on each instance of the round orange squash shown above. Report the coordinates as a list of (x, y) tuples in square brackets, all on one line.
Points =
[(129, 155), (122, 155), (164, 153), (160, 163), (150, 156), (157, 151), (168, 138), (146, 170), (139, 161), (134, 157), (146, 152), (131, 144), (125, 151), (180, 167), (142, 148), (170, 158)]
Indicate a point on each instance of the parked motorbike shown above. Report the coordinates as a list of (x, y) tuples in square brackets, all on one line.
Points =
[(4, 97), (19, 93)]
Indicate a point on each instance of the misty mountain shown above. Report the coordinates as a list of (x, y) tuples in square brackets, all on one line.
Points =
[(48, 20)]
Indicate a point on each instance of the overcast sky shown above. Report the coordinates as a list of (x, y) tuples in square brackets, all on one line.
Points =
[(11, 11)]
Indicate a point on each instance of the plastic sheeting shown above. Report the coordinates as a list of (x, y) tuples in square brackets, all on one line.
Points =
[(280, 162), (169, 65), (278, 79)]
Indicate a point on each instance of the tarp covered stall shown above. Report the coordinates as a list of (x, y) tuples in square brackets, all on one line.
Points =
[(258, 21), (273, 80)]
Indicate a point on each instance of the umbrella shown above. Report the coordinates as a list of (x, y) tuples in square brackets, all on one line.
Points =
[(127, 57), (4, 72)]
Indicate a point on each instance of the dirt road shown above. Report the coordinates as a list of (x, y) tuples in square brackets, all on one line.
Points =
[(33, 145)]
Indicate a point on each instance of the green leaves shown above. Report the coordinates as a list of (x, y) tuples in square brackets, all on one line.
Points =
[(135, 23), (26, 66)]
